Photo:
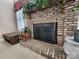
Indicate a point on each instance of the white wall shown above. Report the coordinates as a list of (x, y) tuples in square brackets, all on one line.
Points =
[(7, 17)]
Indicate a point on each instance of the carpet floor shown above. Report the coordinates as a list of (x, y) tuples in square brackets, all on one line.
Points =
[(17, 51)]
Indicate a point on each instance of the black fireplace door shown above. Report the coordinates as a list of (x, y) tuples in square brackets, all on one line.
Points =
[(46, 32)]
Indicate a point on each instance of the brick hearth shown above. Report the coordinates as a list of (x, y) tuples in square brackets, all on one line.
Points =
[(48, 50)]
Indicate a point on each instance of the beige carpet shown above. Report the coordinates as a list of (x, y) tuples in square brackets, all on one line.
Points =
[(17, 51)]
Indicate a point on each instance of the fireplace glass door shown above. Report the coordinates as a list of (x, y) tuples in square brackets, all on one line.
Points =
[(46, 32)]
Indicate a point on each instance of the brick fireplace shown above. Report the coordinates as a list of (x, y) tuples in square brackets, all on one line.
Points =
[(66, 21)]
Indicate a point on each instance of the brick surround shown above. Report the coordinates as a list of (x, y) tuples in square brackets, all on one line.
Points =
[(51, 15)]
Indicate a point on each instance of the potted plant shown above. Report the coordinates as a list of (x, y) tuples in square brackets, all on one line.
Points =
[(29, 8), (26, 34)]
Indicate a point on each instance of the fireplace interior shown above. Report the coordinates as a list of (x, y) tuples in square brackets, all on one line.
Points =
[(46, 32)]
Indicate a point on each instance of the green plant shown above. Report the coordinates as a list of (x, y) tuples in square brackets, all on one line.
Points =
[(41, 4), (27, 30), (62, 5), (27, 8), (75, 7), (25, 34)]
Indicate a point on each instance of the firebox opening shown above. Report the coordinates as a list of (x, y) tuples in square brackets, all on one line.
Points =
[(46, 32)]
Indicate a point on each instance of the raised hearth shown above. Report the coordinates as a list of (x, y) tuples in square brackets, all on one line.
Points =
[(51, 51)]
